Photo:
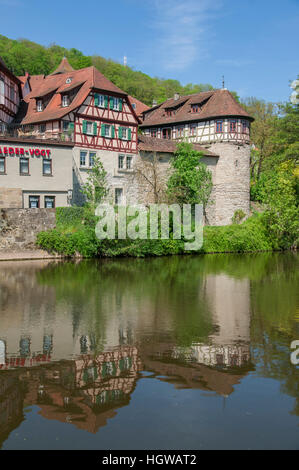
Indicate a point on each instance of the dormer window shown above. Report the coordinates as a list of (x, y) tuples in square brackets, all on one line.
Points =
[(195, 108), (169, 112), (65, 101), (68, 80), (39, 105)]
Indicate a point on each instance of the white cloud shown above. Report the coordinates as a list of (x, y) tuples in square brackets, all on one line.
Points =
[(182, 30)]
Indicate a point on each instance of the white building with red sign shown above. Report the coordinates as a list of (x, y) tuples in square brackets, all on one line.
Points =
[(35, 173)]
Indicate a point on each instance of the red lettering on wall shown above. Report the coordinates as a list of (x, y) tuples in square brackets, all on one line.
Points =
[(43, 153), (31, 152), (37, 152), (21, 151)]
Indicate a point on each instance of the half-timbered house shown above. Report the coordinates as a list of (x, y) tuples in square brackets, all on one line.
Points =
[(216, 121), (84, 107), (10, 94)]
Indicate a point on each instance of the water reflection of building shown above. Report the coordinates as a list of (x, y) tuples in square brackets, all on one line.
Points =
[(229, 304), (84, 392), (77, 356)]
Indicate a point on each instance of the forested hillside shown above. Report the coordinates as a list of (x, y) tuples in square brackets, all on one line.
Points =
[(23, 56)]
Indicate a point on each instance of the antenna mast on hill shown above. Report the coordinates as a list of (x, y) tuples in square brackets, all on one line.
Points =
[(125, 60)]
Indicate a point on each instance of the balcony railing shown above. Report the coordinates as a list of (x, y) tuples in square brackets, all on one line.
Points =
[(30, 132)]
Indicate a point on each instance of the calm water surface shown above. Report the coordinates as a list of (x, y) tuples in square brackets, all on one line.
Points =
[(177, 353)]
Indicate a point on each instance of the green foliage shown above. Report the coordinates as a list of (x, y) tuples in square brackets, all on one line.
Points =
[(238, 216), (279, 193), (69, 216), (246, 237), (96, 186), (23, 56), (191, 181)]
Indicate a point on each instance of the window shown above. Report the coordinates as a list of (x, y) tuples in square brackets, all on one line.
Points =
[(245, 127), (180, 132), (232, 126), (219, 126), (169, 112), (92, 156), (49, 202), (134, 106), (2, 166), (121, 159), (88, 127), (124, 133), (25, 347), (68, 80), (106, 130), (129, 162), (2, 94), (166, 133), (65, 126), (42, 128), (34, 202), (114, 104), (153, 132), (24, 166), (65, 101), (195, 108), (12, 93), (47, 167), (193, 130), (39, 105), (118, 195), (83, 158)]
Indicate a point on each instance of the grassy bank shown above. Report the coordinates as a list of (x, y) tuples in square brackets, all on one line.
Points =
[(75, 235)]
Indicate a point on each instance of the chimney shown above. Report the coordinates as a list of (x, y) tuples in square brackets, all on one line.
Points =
[(176, 96), (155, 103)]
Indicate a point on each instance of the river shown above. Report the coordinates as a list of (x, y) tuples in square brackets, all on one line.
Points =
[(189, 352)]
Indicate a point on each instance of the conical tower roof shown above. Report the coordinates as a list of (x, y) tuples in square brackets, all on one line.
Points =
[(64, 67)]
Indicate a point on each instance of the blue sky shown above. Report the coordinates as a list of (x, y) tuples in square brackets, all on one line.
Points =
[(254, 43)]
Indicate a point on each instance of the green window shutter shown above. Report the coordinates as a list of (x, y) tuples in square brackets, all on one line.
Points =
[(71, 126), (112, 132), (84, 127), (120, 105), (96, 99), (120, 132), (111, 103), (129, 134), (106, 101), (95, 128), (103, 130)]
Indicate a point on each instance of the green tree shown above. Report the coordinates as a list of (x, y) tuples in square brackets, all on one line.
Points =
[(191, 181), (282, 210), (262, 132), (96, 187)]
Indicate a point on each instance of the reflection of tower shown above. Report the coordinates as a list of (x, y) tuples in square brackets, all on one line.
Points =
[(229, 301)]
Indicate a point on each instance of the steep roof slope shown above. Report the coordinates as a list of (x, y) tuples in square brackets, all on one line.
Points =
[(212, 104), (53, 85)]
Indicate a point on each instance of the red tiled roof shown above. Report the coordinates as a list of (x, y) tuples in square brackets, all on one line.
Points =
[(217, 103), (140, 107), (153, 144), (63, 67), (89, 78)]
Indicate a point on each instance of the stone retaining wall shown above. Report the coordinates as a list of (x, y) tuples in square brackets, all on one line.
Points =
[(19, 227)]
